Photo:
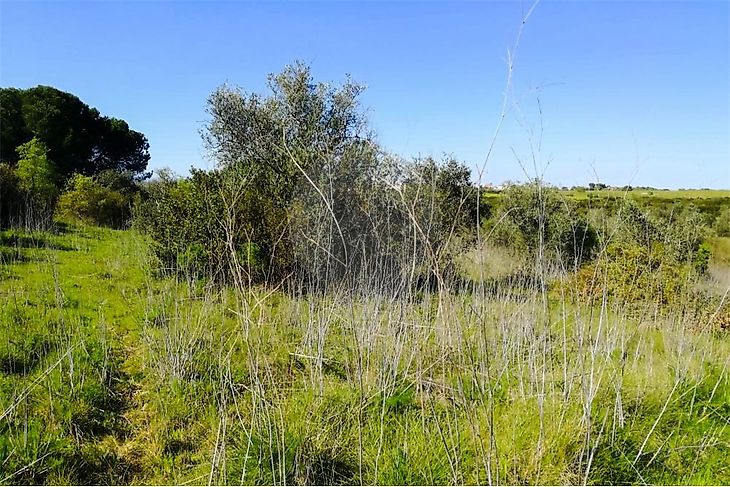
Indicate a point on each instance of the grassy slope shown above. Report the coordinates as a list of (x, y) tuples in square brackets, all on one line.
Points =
[(78, 297), (108, 375)]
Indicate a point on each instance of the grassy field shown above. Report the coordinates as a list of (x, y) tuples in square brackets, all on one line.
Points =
[(112, 375), (653, 193), (641, 193)]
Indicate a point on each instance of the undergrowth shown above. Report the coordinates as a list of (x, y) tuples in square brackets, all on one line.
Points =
[(109, 375)]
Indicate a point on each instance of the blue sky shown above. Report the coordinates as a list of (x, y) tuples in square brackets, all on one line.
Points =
[(629, 92)]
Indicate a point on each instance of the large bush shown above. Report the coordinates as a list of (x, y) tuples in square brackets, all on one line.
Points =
[(187, 221), (540, 222), (632, 273), (301, 181), (89, 201), (36, 180), (647, 255)]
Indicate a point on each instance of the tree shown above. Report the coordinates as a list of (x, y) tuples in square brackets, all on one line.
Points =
[(13, 129), (10, 196), (305, 146), (120, 149), (35, 171), (36, 181), (78, 138)]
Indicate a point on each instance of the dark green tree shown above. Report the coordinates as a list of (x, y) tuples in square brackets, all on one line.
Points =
[(13, 130), (78, 138)]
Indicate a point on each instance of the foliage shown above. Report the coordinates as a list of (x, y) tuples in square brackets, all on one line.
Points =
[(89, 201), (36, 176), (632, 273), (36, 180), (684, 232), (648, 258), (78, 137), (183, 218), (300, 178), (303, 146), (441, 207), (123, 182), (535, 219), (447, 194), (722, 223), (10, 196)]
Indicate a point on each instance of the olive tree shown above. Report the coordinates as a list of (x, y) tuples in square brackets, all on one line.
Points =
[(301, 162)]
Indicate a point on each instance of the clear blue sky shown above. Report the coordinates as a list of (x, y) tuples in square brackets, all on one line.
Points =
[(630, 92)]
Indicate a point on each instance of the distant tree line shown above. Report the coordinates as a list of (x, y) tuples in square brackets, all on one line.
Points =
[(302, 189)]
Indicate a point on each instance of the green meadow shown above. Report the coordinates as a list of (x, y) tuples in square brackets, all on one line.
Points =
[(314, 309), (638, 193), (111, 373)]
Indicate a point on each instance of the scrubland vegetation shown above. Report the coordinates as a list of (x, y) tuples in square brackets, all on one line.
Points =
[(316, 310)]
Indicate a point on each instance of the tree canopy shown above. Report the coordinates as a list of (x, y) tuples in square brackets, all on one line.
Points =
[(79, 139)]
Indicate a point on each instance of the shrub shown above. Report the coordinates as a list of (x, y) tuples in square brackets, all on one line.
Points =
[(701, 259), (35, 171), (722, 223), (632, 273), (88, 201), (538, 221), (182, 216), (36, 181)]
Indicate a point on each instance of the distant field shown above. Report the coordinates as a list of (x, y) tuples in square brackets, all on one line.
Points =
[(637, 193), (653, 193), (709, 197)]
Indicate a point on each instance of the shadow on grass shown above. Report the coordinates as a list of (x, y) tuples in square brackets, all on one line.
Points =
[(322, 468), (31, 242), (24, 355), (13, 255)]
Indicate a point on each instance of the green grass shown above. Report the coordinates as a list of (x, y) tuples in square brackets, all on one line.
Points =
[(111, 375), (651, 193)]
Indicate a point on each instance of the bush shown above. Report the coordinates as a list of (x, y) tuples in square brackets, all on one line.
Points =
[(88, 201), (648, 257), (538, 221), (632, 273), (182, 218), (722, 223), (37, 183)]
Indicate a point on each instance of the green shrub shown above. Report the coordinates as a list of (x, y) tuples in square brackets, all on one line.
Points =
[(35, 171), (702, 256), (37, 183), (192, 259), (538, 221), (722, 223), (88, 201), (183, 218), (632, 273)]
